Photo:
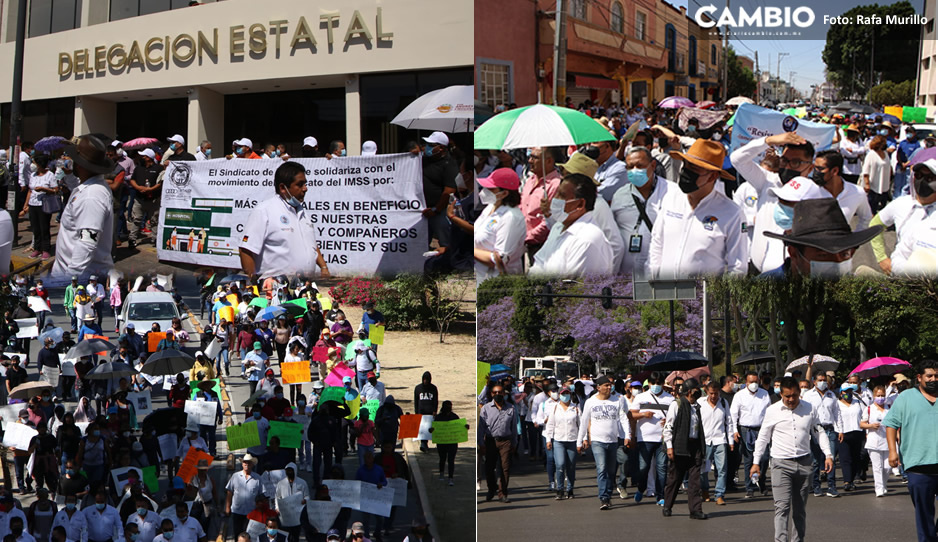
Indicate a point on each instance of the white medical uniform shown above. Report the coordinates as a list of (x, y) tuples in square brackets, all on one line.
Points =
[(629, 222), (581, 249), (502, 231), (282, 239)]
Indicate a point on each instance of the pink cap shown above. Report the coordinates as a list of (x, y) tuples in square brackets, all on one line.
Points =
[(505, 178)]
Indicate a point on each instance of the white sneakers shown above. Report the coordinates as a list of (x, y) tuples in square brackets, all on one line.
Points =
[(623, 493)]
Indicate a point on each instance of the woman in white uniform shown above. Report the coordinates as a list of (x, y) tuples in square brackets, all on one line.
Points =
[(871, 419), (499, 231)]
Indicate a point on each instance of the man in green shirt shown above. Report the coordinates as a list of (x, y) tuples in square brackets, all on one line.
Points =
[(69, 302), (915, 414)]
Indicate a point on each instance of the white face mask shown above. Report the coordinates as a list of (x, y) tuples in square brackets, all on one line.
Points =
[(831, 269), (487, 197), (554, 395), (33, 168), (556, 210), (822, 386), (752, 387), (475, 160)]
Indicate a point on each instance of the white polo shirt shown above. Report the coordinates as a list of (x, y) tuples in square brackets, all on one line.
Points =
[(716, 421), (243, 491), (710, 239), (853, 202), (905, 212), (748, 409), (822, 403), (147, 526), (502, 231), (650, 429), (282, 239), (629, 222), (581, 249), (190, 531), (602, 216), (83, 246), (922, 236)]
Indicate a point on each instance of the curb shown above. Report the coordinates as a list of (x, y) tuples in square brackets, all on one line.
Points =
[(421, 489)]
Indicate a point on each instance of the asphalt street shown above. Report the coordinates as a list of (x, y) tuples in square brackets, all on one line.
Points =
[(533, 513)]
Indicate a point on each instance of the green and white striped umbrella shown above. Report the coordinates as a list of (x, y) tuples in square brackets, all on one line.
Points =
[(539, 126)]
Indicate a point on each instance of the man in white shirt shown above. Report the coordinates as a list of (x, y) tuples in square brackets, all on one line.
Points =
[(604, 422), (699, 231), (373, 389), (636, 208), (768, 252), (683, 437), (243, 487), (788, 426), (205, 150), (747, 412), (853, 150), (852, 199), (542, 405), (186, 527), (905, 213), (104, 523), (717, 426), (280, 237), (648, 410), (146, 520), (824, 403), (576, 245)]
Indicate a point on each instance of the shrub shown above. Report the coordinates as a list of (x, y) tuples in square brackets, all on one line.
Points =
[(358, 291), (404, 306)]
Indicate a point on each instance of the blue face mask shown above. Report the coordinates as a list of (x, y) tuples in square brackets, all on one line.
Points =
[(257, 415), (70, 505), (655, 389), (884, 132), (638, 177), (207, 152), (342, 152), (239, 151), (133, 537), (784, 215), (565, 398), (59, 174), (172, 146), (100, 505), (295, 203), (428, 151), (778, 390), (272, 532), (168, 535), (142, 511)]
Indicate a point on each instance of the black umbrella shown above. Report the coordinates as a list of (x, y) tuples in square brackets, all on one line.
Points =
[(234, 278), (89, 347), (111, 369), (751, 358), (165, 420), (167, 362), (675, 361)]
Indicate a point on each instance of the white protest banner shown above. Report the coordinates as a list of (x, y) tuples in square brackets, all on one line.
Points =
[(400, 490), (347, 492), (50, 375), (426, 422), (365, 211), (168, 445), (322, 514), (10, 413), (202, 411), (17, 435), (121, 476), (376, 501), (290, 508), (29, 329), (752, 122), (142, 402), (211, 351), (270, 479)]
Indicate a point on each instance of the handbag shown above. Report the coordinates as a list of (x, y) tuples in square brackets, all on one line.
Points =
[(51, 203)]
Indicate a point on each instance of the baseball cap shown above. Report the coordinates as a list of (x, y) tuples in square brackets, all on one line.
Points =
[(602, 380), (148, 153), (369, 148), (244, 142), (257, 345), (797, 189), (130, 325), (438, 138), (505, 178), (635, 383), (357, 527), (371, 374), (310, 141), (177, 138), (333, 534), (930, 164), (582, 164), (346, 379)]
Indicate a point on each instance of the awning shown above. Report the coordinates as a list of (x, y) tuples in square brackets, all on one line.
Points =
[(596, 82)]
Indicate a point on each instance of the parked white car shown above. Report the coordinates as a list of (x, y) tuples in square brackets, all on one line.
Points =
[(145, 308)]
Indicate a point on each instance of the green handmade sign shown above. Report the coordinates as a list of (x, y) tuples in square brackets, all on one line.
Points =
[(452, 432)]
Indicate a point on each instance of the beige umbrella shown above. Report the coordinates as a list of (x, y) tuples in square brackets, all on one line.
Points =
[(30, 389)]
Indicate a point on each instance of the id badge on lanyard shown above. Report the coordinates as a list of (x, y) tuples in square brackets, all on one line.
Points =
[(635, 243)]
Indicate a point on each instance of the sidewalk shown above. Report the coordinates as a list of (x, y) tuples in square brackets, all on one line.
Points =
[(449, 510)]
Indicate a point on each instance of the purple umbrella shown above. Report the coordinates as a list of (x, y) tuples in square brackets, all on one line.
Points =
[(879, 367), (922, 155), (49, 145), (675, 102)]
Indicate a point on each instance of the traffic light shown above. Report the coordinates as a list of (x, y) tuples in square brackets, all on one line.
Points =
[(607, 298), (546, 298)]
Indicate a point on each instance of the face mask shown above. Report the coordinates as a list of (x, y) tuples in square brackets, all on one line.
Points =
[(59, 174), (499, 399), (33, 168), (880, 401), (931, 388), (295, 203), (784, 216), (822, 386), (70, 505), (100, 505), (239, 151), (487, 197), (831, 269), (272, 532), (884, 132), (172, 147), (207, 152), (655, 389), (777, 390), (847, 396), (142, 511), (553, 395), (688, 181), (183, 519), (168, 535), (786, 174), (557, 210), (133, 537), (752, 387), (923, 188), (257, 415), (565, 398), (638, 177), (818, 178), (716, 136), (342, 152), (691, 131)]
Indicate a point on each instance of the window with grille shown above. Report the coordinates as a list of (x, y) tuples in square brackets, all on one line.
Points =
[(494, 86), (640, 19), (616, 18), (578, 9)]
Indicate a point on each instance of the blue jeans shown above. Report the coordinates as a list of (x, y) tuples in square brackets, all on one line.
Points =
[(717, 455), (604, 453), (222, 360), (818, 466), (550, 462), (564, 454), (362, 450), (73, 318), (361, 377), (628, 462), (645, 451), (923, 488), (899, 182), (748, 460)]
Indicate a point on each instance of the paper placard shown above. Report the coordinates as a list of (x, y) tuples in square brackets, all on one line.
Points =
[(243, 435), (426, 422), (410, 426), (347, 492), (376, 334), (122, 475), (291, 434), (29, 329), (256, 529), (202, 411), (142, 402), (324, 302), (39, 304), (400, 491), (350, 349), (376, 501), (322, 514), (372, 405), (226, 313), (188, 467), (17, 435), (216, 387), (320, 354), (482, 375), (332, 393), (354, 405), (335, 376), (270, 479), (153, 339), (451, 432), (290, 508), (295, 372), (168, 445), (10, 413), (68, 367), (211, 351), (150, 479)]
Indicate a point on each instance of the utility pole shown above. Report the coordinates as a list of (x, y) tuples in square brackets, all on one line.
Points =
[(16, 108), (726, 58), (560, 53), (791, 86), (778, 73), (872, 55), (758, 81)]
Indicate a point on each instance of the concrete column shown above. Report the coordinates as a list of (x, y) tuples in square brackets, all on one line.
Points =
[(10, 10), (206, 119), (94, 115), (94, 12), (353, 116)]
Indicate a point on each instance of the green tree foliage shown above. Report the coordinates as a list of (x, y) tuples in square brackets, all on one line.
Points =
[(889, 93)]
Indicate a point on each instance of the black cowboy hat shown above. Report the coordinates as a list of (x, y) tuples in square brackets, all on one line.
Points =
[(90, 153), (820, 223)]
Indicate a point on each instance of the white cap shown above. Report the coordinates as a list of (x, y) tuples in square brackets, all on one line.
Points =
[(116, 143), (437, 137), (369, 148), (177, 138), (798, 189), (149, 153), (245, 142), (930, 164), (199, 353), (310, 141)]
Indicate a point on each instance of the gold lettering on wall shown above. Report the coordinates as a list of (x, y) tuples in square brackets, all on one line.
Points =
[(302, 33), (258, 41), (357, 28)]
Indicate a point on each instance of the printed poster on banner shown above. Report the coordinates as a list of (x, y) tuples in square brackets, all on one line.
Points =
[(142, 402), (322, 514), (365, 211), (752, 122)]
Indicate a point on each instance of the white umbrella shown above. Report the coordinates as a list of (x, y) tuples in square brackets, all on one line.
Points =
[(449, 109), (819, 362), (739, 100)]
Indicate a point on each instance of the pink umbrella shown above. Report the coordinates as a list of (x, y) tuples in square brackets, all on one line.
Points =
[(693, 373), (706, 104), (675, 102), (880, 367), (139, 143)]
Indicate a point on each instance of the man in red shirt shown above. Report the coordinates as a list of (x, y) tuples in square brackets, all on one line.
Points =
[(543, 177)]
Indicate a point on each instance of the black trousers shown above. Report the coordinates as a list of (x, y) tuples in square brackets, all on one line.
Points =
[(689, 466), (447, 454)]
